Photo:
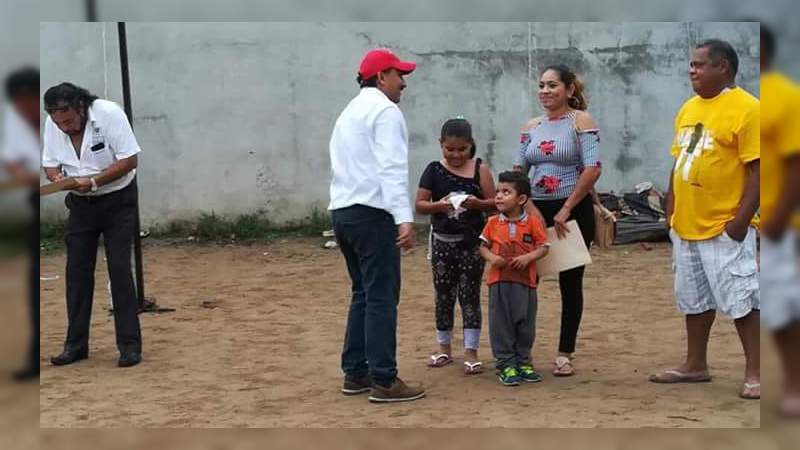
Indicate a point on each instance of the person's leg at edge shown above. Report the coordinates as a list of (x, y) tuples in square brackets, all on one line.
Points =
[(749, 329), (787, 340)]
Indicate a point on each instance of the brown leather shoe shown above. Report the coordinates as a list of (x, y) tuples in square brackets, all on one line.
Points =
[(397, 392), (356, 385)]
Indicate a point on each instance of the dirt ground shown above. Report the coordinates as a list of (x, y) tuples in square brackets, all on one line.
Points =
[(256, 337)]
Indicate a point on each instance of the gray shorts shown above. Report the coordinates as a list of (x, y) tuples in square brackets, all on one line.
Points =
[(716, 274), (780, 281)]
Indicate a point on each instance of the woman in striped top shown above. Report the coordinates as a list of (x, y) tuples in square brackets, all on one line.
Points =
[(559, 152)]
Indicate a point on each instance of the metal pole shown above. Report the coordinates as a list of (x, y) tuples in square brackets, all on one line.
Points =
[(126, 97), (91, 10)]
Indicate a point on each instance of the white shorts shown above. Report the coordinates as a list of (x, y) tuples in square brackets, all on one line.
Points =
[(780, 276), (716, 274)]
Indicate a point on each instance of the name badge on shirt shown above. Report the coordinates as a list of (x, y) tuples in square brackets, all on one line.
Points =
[(100, 151), (98, 140), (527, 238)]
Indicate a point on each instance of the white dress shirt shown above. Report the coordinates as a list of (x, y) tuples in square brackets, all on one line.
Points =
[(108, 138), (369, 156), (20, 143)]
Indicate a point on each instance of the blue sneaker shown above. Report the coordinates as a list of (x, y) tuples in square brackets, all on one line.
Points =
[(528, 375), (509, 376)]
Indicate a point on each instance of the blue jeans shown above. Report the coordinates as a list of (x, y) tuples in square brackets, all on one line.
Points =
[(367, 238)]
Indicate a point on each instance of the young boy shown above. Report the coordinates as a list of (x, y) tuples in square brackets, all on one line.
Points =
[(512, 242)]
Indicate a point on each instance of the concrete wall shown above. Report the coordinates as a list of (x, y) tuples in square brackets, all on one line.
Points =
[(236, 117)]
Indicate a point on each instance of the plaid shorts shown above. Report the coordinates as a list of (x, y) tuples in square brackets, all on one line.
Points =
[(781, 281), (716, 274)]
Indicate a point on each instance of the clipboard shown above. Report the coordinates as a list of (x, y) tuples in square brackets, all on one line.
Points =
[(65, 184), (564, 254)]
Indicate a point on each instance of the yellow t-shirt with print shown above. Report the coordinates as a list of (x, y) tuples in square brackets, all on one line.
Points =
[(714, 140), (780, 137)]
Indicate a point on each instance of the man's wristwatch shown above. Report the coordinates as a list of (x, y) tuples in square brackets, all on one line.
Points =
[(94, 184)]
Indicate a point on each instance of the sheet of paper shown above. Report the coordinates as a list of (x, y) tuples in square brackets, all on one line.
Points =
[(564, 254)]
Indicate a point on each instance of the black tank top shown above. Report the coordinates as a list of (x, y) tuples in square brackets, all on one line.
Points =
[(440, 181)]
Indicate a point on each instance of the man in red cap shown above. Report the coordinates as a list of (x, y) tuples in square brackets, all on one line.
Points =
[(371, 213)]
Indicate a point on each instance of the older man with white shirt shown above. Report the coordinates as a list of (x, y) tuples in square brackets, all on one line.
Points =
[(372, 220), (91, 140)]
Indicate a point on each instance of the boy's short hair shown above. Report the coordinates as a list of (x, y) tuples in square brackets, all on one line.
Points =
[(520, 182)]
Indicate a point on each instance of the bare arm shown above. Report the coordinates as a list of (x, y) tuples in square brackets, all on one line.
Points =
[(670, 200), (590, 175), (737, 228), (496, 261), (520, 165), (111, 173), (584, 187), (424, 205), (522, 261), (117, 170)]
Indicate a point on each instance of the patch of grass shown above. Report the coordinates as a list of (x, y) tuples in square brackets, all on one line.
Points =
[(213, 227), (251, 227), (51, 236)]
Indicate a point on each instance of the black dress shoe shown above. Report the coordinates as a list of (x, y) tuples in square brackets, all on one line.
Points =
[(69, 357), (129, 359), (28, 373)]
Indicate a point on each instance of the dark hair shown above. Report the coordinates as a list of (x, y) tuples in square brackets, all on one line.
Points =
[(519, 180), (767, 44), (74, 96), (719, 49), (459, 128), (568, 77), (24, 81), (369, 82)]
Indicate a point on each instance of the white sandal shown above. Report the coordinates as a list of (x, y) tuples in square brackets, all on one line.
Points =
[(562, 362)]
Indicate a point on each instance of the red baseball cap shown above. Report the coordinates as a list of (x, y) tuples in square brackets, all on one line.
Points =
[(382, 59)]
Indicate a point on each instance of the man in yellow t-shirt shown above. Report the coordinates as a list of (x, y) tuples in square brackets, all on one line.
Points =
[(780, 195), (713, 197)]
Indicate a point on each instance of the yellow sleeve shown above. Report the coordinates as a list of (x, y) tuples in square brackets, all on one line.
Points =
[(789, 130), (749, 135)]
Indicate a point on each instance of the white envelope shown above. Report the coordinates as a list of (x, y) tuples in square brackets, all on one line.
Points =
[(456, 201), (564, 254)]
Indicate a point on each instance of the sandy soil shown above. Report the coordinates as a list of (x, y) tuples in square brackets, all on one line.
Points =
[(256, 337)]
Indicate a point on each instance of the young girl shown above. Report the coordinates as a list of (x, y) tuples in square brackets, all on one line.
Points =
[(456, 191)]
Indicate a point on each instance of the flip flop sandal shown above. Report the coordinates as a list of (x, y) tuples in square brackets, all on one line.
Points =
[(673, 376), (747, 387), (562, 362), (440, 360), (473, 368)]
